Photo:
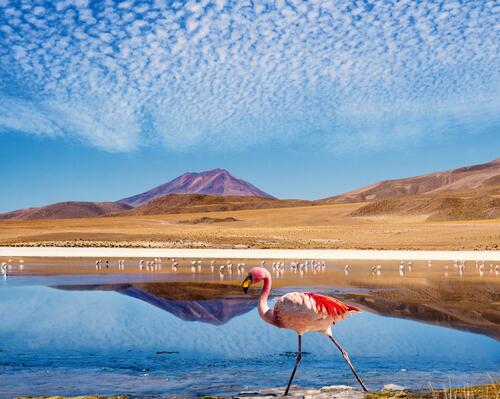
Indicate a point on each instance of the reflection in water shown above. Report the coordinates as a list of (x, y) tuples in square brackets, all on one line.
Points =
[(188, 301), (466, 305), (457, 295), (99, 332), (213, 311), (76, 342)]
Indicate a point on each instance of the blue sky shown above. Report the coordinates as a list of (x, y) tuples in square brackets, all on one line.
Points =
[(103, 99)]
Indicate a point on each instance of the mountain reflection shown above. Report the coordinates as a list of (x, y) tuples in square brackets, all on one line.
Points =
[(467, 305), (215, 304)]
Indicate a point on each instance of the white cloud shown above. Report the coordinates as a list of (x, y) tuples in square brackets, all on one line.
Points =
[(231, 73), (25, 116), (109, 129)]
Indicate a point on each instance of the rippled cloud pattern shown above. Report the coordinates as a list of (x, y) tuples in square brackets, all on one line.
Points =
[(121, 75)]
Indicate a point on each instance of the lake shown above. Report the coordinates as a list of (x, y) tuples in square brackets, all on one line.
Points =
[(68, 328)]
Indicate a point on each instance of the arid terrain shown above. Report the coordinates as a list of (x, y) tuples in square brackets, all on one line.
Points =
[(456, 209), (322, 226)]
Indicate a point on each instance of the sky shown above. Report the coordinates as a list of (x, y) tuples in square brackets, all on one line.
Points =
[(104, 99)]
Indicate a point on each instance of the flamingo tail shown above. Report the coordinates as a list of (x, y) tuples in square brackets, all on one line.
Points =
[(333, 307)]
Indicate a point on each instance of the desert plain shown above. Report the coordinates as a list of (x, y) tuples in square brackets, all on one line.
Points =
[(298, 227)]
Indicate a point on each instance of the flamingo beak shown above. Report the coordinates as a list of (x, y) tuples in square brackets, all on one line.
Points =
[(246, 283)]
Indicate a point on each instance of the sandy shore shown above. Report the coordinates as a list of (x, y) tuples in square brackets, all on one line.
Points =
[(351, 254)]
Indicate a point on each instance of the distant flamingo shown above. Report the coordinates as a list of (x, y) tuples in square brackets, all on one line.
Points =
[(301, 312)]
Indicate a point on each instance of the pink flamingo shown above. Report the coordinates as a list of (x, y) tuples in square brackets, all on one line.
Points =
[(301, 312)]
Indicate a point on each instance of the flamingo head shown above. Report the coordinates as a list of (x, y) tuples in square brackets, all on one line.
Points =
[(255, 275)]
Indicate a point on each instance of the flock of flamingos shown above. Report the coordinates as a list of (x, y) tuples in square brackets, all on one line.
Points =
[(278, 268), (301, 312)]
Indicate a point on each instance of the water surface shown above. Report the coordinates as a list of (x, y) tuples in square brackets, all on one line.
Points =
[(150, 335)]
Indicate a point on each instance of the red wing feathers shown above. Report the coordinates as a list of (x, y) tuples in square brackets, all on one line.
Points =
[(333, 307)]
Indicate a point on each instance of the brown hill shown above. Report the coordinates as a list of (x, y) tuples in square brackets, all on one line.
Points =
[(463, 179), (212, 182), (194, 203), (66, 210), (436, 207), (173, 203)]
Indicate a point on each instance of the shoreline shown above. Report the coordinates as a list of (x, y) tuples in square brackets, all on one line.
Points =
[(390, 391), (326, 254)]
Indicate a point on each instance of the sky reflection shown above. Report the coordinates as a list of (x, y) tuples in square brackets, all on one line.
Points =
[(50, 330)]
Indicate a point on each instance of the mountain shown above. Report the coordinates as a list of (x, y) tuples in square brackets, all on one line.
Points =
[(468, 178), (205, 191), (442, 206), (193, 203), (212, 182), (468, 193), (66, 210)]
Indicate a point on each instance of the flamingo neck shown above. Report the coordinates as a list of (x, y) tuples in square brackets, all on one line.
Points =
[(264, 311)]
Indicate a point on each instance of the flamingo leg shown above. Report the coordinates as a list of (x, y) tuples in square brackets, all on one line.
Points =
[(297, 361), (346, 357)]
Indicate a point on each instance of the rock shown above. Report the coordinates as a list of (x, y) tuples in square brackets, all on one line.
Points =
[(328, 392), (336, 388), (393, 387)]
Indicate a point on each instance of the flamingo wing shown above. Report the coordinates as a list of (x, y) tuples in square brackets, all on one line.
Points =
[(335, 308)]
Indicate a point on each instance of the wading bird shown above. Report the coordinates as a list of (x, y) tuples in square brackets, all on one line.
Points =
[(301, 312)]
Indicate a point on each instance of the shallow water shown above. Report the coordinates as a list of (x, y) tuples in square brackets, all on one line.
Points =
[(119, 338)]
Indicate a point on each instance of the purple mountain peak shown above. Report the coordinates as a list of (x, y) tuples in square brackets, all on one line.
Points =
[(211, 182)]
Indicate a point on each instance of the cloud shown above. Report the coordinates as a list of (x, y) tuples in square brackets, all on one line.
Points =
[(344, 74), (105, 127)]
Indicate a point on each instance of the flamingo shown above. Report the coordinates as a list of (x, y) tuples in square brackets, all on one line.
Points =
[(301, 312), (240, 268)]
